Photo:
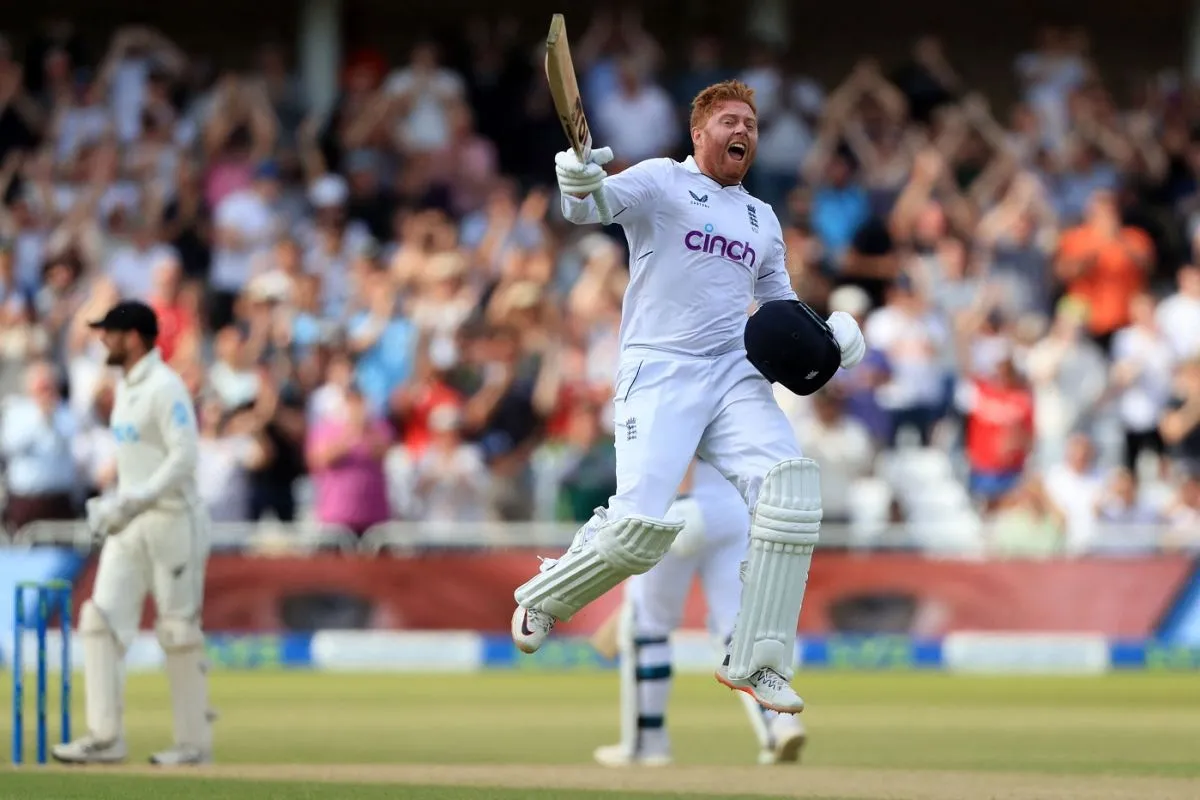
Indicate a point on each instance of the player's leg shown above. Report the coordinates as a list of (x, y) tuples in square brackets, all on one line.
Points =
[(652, 609), (108, 623), (660, 414), (727, 521), (751, 442), (178, 545)]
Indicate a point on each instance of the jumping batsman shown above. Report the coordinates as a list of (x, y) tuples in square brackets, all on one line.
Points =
[(155, 540), (710, 547), (694, 379)]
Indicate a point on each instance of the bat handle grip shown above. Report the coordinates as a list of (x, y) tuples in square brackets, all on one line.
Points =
[(602, 208)]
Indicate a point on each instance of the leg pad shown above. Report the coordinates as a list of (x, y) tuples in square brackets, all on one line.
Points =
[(784, 531), (598, 561), (103, 674), (182, 641)]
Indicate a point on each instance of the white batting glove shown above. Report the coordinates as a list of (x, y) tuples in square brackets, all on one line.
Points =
[(103, 516), (576, 177), (110, 513), (849, 338)]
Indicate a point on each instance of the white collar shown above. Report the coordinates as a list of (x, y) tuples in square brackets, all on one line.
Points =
[(142, 368)]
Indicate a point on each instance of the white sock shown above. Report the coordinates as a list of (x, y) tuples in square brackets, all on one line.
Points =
[(653, 689)]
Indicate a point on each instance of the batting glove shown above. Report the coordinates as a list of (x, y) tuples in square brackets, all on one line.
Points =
[(849, 338), (577, 177), (103, 516), (109, 514)]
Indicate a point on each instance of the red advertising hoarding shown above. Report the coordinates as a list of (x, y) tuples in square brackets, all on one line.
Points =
[(867, 593)]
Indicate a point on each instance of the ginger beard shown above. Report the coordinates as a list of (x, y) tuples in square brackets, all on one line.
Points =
[(725, 146)]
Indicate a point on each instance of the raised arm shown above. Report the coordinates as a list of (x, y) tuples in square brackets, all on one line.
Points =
[(927, 166), (312, 160), (225, 114), (548, 386), (629, 193), (591, 290), (264, 124), (1179, 422), (838, 111), (1143, 138), (983, 190), (977, 112), (166, 52), (378, 119), (12, 164)]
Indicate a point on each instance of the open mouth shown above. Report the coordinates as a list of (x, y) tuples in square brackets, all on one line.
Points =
[(737, 151)]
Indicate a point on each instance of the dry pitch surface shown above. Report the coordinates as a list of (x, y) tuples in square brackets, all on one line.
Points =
[(840, 783), (525, 735)]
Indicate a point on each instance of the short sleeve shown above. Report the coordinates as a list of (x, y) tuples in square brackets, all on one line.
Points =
[(773, 281)]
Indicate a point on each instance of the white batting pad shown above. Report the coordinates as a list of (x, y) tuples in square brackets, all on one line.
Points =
[(596, 563), (783, 533), (183, 644), (103, 674)]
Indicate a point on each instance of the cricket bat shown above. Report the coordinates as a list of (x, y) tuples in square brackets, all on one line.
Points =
[(564, 88), (606, 639)]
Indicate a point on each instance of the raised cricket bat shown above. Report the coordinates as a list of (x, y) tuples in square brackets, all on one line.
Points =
[(564, 88)]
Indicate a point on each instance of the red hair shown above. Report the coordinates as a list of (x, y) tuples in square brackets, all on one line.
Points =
[(707, 101)]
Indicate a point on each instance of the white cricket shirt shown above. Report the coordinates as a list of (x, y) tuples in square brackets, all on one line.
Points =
[(700, 253), (154, 425)]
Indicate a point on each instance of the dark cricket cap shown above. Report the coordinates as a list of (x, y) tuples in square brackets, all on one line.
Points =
[(129, 315)]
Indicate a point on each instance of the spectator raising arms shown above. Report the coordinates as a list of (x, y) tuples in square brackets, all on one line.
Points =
[(1026, 276), (345, 457)]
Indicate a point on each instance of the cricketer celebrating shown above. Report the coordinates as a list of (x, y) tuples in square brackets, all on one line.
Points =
[(710, 547), (694, 379), (155, 534)]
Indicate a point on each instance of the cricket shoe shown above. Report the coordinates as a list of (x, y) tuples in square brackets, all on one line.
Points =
[(767, 687), (90, 750), (618, 755), (788, 738), (181, 756), (530, 628)]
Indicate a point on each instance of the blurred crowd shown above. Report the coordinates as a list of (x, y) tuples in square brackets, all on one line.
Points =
[(383, 316)]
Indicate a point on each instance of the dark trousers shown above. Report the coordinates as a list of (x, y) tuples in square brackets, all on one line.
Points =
[(1137, 441), (273, 497), (923, 418), (21, 510), (221, 309)]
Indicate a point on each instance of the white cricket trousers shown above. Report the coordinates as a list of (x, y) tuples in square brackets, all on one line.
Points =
[(163, 553), (669, 408), (658, 598)]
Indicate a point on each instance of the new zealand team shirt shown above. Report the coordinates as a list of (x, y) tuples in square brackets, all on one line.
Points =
[(154, 425), (700, 253)]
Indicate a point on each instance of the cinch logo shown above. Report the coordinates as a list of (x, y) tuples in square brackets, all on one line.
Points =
[(717, 245)]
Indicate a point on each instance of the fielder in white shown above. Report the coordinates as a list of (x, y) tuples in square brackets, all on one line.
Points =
[(702, 251), (710, 547), (156, 541)]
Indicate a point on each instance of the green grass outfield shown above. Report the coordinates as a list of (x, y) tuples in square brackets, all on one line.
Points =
[(503, 736)]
